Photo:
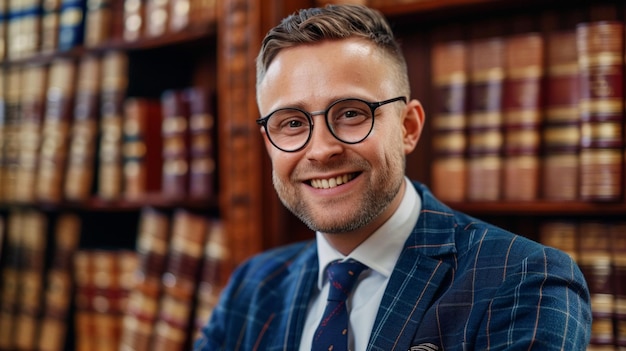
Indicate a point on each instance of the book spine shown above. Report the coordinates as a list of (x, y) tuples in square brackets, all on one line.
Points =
[(189, 232), (84, 131), (152, 247), (618, 257), (50, 19), (32, 110), (595, 263), (561, 130), (30, 24), (98, 22), (83, 296), (71, 24), (14, 37), (601, 63), (449, 169), (113, 92), (202, 12), (203, 169), (31, 280), (3, 30), (157, 17), (59, 285), (3, 119), (522, 107), (142, 154), (134, 19), (215, 271), (176, 146), (485, 139), (55, 131), (10, 133), (180, 11), (11, 272)]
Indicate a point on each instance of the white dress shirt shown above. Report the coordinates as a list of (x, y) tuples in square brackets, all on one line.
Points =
[(380, 253)]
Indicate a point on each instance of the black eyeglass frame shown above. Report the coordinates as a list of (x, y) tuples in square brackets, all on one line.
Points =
[(309, 115)]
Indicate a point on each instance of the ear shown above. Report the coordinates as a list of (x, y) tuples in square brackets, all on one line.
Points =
[(412, 125)]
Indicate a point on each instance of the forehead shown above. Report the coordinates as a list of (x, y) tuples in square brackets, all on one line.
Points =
[(317, 74)]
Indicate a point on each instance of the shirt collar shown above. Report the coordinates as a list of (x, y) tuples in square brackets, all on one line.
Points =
[(381, 250)]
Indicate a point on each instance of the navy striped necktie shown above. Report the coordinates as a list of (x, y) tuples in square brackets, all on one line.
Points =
[(332, 332)]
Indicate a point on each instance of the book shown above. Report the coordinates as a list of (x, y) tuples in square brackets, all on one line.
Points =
[(30, 28), (214, 274), (202, 12), (10, 133), (561, 129), (152, 248), (50, 19), (34, 81), (618, 257), (176, 148), (84, 131), (134, 19), (601, 64), (32, 228), (595, 263), (98, 22), (157, 17), (485, 139), (562, 235), (142, 150), (101, 297), (56, 130), (11, 272), (3, 29), (71, 24), (53, 333), (449, 123), (203, 148), (113, 87), (522, 116), (14, 33), (179, 281)]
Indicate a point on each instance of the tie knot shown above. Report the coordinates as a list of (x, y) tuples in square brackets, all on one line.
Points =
[(342, 276)]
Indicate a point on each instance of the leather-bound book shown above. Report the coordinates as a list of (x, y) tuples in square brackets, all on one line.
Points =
[(50, 19), (59, 284), (134, 19), (30, 23), (203, 150), (215, 271), (11, 273), (180, 14), (560, 234), (15, 35), (561, 129), (174, 321), (175, 144), (3, 29), (450, 76), (71, 24), (618, 256), (56, 130), (202, 12), (601, 63), (143, 300), (485, 139), (157, 17), (10, 127), (84, 291), (142, 150), (31, 279), (32, 111), (3, 120), (522, 107), (98, 22), (595, 263), (84, 131), (113, 91)]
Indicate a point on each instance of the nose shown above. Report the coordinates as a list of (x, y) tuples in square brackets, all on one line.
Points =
[(323, 145)]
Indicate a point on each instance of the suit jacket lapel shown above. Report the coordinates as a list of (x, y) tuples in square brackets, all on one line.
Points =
[(422, 269)]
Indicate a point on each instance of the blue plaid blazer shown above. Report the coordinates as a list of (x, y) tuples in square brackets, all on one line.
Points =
[(460, 284)]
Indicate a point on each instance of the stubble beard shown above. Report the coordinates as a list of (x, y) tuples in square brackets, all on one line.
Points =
[(379, 194)]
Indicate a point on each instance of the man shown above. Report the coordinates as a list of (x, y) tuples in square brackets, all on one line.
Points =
[(338, 122)]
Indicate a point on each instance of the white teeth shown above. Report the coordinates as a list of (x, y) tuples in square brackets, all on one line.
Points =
[(331, 182)]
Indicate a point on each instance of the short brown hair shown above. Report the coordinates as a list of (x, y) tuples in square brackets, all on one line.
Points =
[(333, 22)]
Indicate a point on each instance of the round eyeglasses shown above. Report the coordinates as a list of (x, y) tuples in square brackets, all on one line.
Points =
[(349, 120)]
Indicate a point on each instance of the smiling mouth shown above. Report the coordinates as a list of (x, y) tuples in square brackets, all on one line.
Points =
[(332, 182)]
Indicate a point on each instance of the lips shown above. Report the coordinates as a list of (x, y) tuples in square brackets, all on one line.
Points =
[(328, 183)]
